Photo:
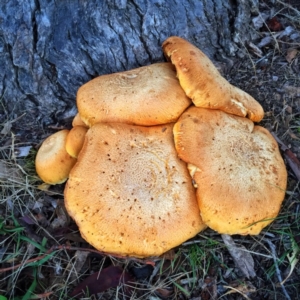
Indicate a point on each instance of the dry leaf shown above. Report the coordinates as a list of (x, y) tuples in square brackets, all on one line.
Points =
[(164, 292), (259, 21), (293, 135), (44, 187), (6, 128), (256, 50), (242, 259), (109, 277), (289, 109), (265, 41), (291, 54), (22, 151), (274, 24), (61, 219)]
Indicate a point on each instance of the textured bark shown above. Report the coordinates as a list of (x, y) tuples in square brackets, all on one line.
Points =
[(48, 48)]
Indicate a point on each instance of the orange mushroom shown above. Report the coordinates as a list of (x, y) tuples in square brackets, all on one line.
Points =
[(203, 83), (129, 193), (52, 162), (75, 140), (147, 96), (239, 172)]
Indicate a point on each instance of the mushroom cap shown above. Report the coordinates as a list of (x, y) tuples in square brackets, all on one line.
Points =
[(147, 96), (75, 140), (52, 162), (239, 172), (129, 193), (77, 121), (203, 83)]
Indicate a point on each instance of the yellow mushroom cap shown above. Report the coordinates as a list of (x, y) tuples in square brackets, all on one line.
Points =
[(52, 162), (129, 193), (77, 121), (75, 140), (240, 175), (147, 96), (203, 83)]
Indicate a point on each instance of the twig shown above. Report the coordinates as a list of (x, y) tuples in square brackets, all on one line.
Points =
[(273, 253), (290, 157), (64, 247)]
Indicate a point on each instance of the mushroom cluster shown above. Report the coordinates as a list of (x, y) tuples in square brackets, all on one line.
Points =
[(158, 153)]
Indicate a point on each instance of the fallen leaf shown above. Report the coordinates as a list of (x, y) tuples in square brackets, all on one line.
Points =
[(265, 41), (8, 125), (255, 50), (289, 109), (291, 54), (241, 257), (22, 151), (44, 186), (164, 292), (6, 128), (293, 135), (109, 277), (259, 20), (61, 219), (274, 24)]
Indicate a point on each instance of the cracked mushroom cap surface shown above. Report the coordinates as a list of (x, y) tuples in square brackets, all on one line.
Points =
[(203, 83), (146, 96), (129, 193), (238, 169), (53, 163)]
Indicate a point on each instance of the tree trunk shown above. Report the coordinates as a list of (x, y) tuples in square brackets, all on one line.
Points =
[(50, 48)]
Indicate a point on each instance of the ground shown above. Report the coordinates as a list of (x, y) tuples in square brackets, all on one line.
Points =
[(44, 257)]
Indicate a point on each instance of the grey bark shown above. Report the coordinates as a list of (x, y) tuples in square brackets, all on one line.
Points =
[(48, 48)]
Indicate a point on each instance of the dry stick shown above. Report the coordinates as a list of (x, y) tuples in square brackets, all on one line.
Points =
[(63, 247), (273, 253)]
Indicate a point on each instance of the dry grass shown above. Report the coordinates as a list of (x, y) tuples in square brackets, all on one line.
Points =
[(43, 256)]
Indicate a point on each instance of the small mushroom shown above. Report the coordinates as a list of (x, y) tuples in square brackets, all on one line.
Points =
[(147, 96), (77, 121), (203, 83), (52, 162), (75, 140), (129, 193), (239, 172)]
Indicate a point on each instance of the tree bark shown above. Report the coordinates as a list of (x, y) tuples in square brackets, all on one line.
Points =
[(50, 48)]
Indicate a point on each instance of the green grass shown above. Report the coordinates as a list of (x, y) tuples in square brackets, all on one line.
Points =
[(187, 273), (43, 264)]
